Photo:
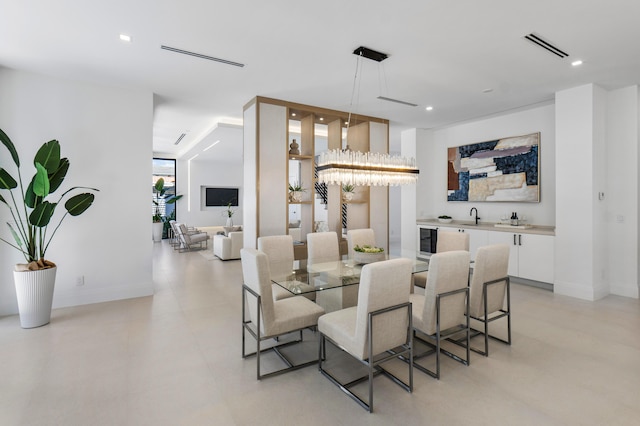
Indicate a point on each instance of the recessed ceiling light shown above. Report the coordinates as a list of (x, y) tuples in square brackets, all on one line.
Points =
[(488, 90), (321, 119), (125, 37), (576, 63), (429, 108), (293, 114)]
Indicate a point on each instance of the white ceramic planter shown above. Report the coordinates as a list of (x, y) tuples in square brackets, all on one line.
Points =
[(347, 196), (34, 290), (295, 196), (157, 231)]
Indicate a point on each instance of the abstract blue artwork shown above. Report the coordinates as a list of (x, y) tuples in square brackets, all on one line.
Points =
[(500, 170)]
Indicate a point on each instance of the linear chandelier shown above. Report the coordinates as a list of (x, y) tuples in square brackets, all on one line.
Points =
[(340, 167), (343, 166)]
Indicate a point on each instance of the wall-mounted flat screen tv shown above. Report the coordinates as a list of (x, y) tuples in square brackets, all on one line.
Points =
[(221, 196)]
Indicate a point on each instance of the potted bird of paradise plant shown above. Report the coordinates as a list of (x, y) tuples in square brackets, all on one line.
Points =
[(32, 215)]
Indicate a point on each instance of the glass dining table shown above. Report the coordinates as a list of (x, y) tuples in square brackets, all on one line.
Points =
[(333, 285)]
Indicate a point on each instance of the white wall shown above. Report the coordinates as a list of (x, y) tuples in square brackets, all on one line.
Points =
[(409, 142), (106, 133), (250, 173), (219, 166), (432, 161), (272, 207), (621, 194)]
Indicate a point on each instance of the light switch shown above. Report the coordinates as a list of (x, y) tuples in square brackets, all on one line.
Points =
[(620, 218)]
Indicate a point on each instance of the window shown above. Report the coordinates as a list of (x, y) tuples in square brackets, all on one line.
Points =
[(166, 169)]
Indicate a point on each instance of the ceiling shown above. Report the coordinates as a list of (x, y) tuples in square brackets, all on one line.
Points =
[(466, 58)]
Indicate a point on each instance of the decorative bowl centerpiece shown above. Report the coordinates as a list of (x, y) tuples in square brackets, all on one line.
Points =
[(444, 219), (368, 254)]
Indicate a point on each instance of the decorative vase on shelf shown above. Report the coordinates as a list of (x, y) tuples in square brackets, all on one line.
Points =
[(294, 148), (229, 221), (295, 196), (347, 196)]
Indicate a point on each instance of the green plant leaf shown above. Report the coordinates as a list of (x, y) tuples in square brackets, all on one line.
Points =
[(173, 199), (12, 149), (56, 178), (30, 197), (77, 204), (3, 200), (15, 236), (6, 181), (159, 185), (41, 214), (41, 181), (49, 156)]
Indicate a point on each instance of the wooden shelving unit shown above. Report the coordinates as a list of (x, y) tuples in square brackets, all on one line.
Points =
[(269, 120)]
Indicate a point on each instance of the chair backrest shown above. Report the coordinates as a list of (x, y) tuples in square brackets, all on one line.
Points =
[(322, 247), (382, 284), (448, 271), (451, 241), (184, 235), (279, 251), (492, 263), (255, 272), (360, 237)]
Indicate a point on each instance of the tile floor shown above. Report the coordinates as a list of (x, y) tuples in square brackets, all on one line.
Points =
[(174, 359)]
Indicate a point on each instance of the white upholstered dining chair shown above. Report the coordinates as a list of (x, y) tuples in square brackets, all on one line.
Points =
[(381, 322), (269, 319), (279, 251), (322, 247), (442, 311), (490, 287), (360, 237), (447, 241)]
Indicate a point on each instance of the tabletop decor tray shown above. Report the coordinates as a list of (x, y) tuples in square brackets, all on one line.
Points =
[(505, 225)]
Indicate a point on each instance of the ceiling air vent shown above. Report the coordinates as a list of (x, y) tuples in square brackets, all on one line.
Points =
[(198, 55), (538, 41), (180, 139)]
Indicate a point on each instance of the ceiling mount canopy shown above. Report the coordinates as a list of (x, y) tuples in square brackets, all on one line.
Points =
[(374, 55)]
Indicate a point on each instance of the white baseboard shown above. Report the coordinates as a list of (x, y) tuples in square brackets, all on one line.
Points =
[(63, 299), (580, 291)]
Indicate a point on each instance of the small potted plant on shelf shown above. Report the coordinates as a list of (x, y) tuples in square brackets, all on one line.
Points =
[(32, 214), (295, 192), (348, 190), (444, 219)]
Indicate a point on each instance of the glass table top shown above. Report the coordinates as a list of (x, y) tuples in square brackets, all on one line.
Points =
[(323, 276)]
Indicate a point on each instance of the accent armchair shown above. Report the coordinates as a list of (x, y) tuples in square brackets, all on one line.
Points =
[(228, 247)]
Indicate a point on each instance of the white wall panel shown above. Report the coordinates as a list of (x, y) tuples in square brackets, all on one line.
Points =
[(106, 133)]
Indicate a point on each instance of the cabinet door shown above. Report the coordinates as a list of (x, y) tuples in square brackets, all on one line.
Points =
[(477, 238), (536, 256), (497, 237)]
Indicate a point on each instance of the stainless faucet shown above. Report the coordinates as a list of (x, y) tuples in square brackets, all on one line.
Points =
[(471, 213)]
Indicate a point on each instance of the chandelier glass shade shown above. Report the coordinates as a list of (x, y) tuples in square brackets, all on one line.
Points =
[(340, 167)]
